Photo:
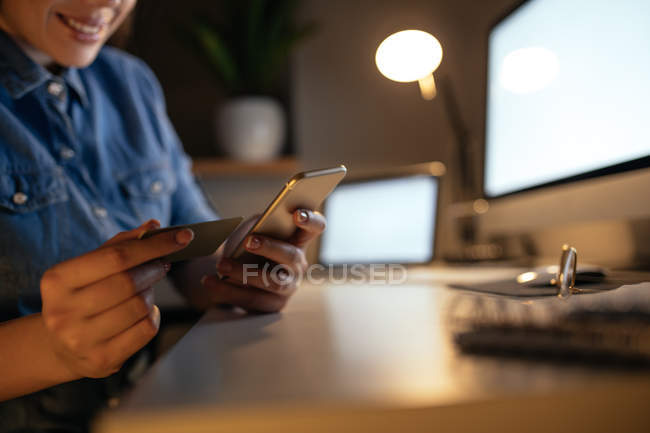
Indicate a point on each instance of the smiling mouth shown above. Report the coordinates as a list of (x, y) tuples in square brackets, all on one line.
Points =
[(85, 27)]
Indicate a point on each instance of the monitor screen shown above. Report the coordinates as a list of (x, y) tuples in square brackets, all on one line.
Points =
[(381, 221), (568, 91)]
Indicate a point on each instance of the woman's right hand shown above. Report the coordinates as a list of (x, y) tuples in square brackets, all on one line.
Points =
[(98, 308)]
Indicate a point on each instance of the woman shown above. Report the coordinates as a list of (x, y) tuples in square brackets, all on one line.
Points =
[(87, 151)]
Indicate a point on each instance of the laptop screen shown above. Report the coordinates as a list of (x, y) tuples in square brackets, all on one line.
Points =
[(381, 221)]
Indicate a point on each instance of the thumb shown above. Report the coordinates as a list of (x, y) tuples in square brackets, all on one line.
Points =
[(238, 235)]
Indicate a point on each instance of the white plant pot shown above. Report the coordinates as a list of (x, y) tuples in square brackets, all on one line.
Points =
[(251, 128)]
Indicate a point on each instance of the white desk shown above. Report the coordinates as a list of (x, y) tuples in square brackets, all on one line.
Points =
[(348, 357)]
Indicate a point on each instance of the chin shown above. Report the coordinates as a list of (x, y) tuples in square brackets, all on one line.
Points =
[(70, 50), (75, 58)]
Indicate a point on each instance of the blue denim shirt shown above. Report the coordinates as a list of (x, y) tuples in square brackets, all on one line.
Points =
[(83, 155)]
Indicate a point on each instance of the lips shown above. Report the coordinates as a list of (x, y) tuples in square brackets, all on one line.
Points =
[(91, 26), (82, 26), (86, 26)]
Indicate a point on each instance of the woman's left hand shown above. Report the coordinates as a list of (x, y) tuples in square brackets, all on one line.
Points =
[(267, 288)]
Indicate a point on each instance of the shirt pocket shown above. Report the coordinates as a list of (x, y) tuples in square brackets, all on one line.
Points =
[(24, 192), (149, 190)]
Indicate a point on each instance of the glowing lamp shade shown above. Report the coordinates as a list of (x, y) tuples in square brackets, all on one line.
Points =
[(410, 55)]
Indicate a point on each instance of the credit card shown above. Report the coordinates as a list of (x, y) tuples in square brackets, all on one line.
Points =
[(208, 236)]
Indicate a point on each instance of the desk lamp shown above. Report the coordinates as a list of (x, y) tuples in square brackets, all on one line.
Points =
[(410, 55), (414, 55)]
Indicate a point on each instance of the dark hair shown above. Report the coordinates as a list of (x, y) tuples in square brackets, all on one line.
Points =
[(122, 35)]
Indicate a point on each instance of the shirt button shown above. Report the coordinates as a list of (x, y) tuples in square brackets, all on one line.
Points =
[(20, 198), (55, 88), (100, 212), (67, 153), (156, 187)]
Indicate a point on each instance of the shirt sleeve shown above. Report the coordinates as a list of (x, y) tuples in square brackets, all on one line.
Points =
[(189, 204)]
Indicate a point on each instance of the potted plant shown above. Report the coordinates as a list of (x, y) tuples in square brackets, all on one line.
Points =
[(247, 48)]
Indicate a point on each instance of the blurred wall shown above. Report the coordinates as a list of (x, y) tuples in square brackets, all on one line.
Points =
[(345, 110)]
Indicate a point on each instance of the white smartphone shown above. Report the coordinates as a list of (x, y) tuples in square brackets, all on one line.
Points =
[(305, 190)]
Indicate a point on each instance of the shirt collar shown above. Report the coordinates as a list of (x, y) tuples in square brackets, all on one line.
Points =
[(73, 80), (19, 74)]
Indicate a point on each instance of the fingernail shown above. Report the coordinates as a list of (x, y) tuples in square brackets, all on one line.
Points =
[(225, 266), (149, 225), (253, 243), (303, 216), (203, 278), (149, 298), (155, 317), (184, 237)]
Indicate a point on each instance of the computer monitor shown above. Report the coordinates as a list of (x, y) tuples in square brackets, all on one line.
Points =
[(567, 136), (567, 93)]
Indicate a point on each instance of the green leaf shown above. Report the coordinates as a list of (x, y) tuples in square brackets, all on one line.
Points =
[(279, 53), (217, 53), (250, 41)]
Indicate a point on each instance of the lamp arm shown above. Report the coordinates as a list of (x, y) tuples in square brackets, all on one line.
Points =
[(461, 136)]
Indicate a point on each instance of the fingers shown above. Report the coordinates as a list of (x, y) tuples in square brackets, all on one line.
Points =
[(152, 224), (118, 319), (89, 355), (235, 238), (277, 251), (248, 298), (277, 280), (109, 292), (101, 263), (98, 308), (311, 225), (119, 348), (278, 284)]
